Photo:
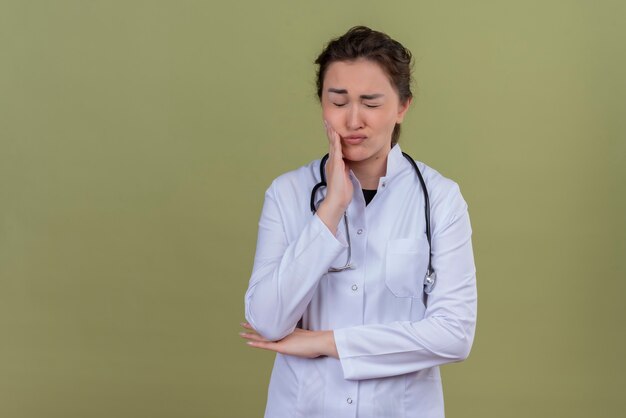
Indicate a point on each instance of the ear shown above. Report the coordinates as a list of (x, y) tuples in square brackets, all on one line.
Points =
[(402, 109)]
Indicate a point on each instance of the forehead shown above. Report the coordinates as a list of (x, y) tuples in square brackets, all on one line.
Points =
[(360, 76)]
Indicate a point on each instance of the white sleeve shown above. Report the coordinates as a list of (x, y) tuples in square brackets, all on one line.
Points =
[(447, 331), (286, 274)]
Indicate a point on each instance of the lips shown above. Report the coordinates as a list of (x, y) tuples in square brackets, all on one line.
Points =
[(354, 139)]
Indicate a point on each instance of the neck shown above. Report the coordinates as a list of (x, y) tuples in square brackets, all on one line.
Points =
[(369, 171)]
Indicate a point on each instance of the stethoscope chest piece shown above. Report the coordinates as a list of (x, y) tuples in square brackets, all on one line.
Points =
[(430, 281)]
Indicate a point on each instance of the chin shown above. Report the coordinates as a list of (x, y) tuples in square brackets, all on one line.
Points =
[(355, 154)]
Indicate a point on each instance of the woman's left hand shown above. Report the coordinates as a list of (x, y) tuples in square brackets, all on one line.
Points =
[(300, 342)]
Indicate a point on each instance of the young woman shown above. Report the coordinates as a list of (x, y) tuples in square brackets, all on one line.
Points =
[(343, 287)]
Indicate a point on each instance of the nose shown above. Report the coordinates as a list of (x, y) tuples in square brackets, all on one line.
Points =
[(354, 119)]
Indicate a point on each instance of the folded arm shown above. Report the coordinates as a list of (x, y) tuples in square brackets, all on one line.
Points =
[(444, 335), (285, 275)]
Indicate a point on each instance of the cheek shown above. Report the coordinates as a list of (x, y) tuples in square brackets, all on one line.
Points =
[(392, 118), (327, 109), (331, 115), (380, 122)]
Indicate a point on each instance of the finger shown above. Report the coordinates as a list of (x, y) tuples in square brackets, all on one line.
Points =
[(332, 135), (264, 345), (253, 336), (329, 130), (248, 326), (337, 147), (329, 136)]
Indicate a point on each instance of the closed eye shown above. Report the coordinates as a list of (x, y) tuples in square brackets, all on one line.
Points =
[(339, 104), (372, 106)]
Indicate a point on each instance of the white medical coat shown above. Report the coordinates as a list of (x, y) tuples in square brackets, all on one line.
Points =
[(389, 343)]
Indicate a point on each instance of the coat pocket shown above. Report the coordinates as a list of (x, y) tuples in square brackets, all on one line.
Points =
[(406, 263)]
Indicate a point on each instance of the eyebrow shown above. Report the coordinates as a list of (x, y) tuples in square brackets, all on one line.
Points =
[(363, 96)]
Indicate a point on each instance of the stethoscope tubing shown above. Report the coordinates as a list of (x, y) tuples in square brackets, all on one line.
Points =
[(323, 183), (426, 211)]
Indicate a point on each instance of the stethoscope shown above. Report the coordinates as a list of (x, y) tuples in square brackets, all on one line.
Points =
[(431, 278)]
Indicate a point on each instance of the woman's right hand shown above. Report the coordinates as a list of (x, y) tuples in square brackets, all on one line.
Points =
[(339, 186)]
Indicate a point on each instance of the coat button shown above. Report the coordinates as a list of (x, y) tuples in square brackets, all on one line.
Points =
[(355, 287), (349, 400), (359, 232)]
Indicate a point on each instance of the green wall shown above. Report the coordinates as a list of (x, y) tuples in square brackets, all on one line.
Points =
[(137, 139)]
